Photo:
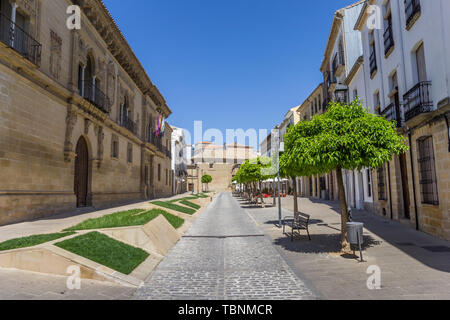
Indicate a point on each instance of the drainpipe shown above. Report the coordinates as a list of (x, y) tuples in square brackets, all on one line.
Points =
[(413, 180), (390, 191), (13, 21), (448, 129)]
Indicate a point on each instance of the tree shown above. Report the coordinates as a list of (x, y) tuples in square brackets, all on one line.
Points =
[(345, 137), (292, 170), (253, 172), (207, 179)]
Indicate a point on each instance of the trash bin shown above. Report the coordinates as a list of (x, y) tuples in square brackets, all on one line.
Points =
[(355, 230)]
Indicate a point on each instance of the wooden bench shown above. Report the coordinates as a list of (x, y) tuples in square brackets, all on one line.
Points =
[(298, 222)]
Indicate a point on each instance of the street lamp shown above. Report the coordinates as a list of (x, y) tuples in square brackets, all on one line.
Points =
[(279, 147)]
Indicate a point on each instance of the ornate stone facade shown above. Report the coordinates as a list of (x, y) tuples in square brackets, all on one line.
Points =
[(72, 97)]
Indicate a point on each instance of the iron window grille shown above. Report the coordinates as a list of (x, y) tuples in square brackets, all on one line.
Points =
[(412, 8), (382, 195), (388, 37), (427, 171)]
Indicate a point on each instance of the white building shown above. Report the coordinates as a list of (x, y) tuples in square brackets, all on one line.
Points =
[(406, 52), (342, 59), (179, 161)]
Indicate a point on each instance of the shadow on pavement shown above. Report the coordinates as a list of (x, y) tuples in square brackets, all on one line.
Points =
[(320, 243), (427, 249)]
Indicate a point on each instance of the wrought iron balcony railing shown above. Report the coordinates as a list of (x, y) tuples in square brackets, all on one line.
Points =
[(128, 124), (157, 141), (388, 39), (342, 96), (94, 95), (418, 100), (19, 40), (412, 8), (392, 113)]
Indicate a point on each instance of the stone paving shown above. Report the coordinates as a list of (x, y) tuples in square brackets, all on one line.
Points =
[(21, 285), (62, 221), (224, 256), (413, 265)]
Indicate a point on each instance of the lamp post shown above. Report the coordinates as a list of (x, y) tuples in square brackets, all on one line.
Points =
[(279, 148)]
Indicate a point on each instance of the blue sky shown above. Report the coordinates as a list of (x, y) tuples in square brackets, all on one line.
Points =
[(230, 63)]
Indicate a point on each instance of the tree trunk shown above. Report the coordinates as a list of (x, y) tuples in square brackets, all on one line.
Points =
[(295, 197), (261, 195), (344, 213)]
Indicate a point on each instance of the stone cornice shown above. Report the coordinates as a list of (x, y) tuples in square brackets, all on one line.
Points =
[(101, 19), (359, 62), (363, 15), (337, 20)]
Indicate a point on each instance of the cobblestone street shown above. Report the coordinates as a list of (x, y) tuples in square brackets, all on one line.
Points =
[(224, 256)]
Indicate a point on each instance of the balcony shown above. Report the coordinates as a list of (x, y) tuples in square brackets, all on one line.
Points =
[(340, 64), (418, 100), (158, 143), (373, 64), (392, 113), (331, 81), (412, 12), (19, 40), (95, 96), (128, 124), (342, 96), (388, 40)]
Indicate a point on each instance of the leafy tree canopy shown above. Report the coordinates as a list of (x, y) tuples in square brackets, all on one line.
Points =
[(254, 170), (206, 178), (346, 136)]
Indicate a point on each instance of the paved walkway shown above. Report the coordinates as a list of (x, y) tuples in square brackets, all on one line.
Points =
[(60, 222), (224, 256), (413, 265), (22, 285)]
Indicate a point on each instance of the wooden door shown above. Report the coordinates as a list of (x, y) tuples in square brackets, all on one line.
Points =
[(81, 173)]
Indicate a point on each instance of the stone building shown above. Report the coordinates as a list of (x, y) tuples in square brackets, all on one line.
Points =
[(77, 113), (179, 161), (406, 61), (220, 162), (314, 185)]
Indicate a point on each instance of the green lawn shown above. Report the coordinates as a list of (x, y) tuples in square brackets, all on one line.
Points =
[(131, 218), (172, 206), (175, 221), (106, 251), (32, 240), (190, 204)]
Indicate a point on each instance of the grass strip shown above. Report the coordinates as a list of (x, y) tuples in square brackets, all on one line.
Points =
[(174, 207), (32, 241), (102, 249), (190, 204), (131, 218), (175, 221)]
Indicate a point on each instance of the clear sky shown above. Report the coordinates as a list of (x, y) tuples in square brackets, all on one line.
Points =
[(230, 63)]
